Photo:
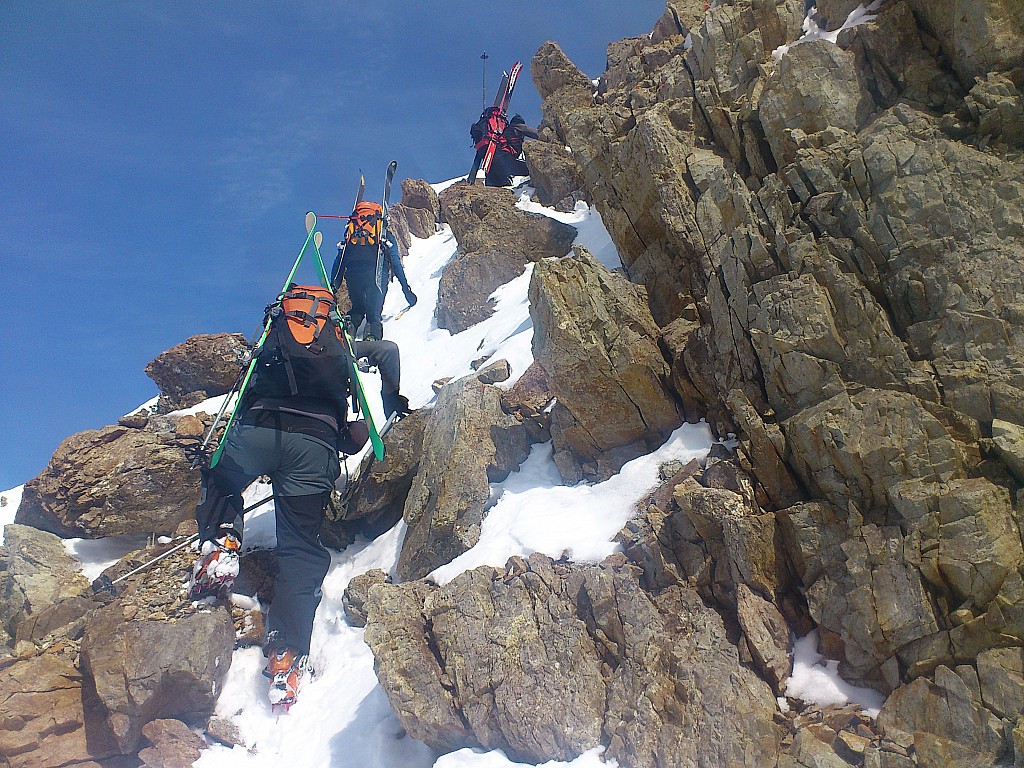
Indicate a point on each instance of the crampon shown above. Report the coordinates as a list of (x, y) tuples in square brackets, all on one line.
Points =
[(287, 671), (215, 571)]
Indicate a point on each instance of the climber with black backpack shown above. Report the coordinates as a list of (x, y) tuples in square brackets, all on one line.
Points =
[(293, 420), (367, 261), (508, 136)]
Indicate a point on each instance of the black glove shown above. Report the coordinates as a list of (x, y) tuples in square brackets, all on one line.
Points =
[(409, 296), (395, 403)]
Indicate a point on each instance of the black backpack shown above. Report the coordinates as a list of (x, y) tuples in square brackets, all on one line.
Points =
[(304, 354)]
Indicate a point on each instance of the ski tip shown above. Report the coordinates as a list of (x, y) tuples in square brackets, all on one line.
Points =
[(318, 239), (310, 221)]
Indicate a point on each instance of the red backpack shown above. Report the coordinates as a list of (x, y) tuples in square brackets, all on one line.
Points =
[(491, 125)]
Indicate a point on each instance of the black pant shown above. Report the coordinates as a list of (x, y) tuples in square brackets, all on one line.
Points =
[(384, 355), (296, 464), (503, 167), (367, 302)]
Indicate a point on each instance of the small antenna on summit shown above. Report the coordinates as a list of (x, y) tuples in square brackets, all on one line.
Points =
[(483, 58)]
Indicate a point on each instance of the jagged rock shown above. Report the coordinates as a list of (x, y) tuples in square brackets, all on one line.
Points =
[(549, 659), (815, 89), (768, 636), (467, 282), (872, 598), (468, 443), (377, 503), (995, 104), (422, 207), (114, 481), (945, 721), (400, 226), (1009, 442), (857, 447), (808, 751), (42, 587), (486, 219), (408, 669), (47, 723), (206, 363), (1001, 681), (529, 399), (597, 343), (977, 36), (173, 745), (969, 539), (147, 670), (354, 599), (496, 241), (679, 18), (554, 175)]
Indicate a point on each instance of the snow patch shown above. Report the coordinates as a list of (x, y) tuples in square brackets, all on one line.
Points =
[(859, 15), (816, 679)]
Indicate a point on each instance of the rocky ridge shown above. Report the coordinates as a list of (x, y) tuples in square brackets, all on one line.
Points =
[(823, 255)]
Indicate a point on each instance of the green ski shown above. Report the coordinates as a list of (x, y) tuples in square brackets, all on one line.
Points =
[(310, 225)]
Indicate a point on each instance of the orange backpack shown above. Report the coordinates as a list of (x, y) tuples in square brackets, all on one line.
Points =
[(364, 226), (304, 353)]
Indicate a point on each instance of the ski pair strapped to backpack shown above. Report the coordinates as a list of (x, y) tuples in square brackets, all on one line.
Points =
[(496, 117)]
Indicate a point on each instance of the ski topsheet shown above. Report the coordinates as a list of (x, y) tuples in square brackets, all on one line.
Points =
[(506, 98), (381, 243)]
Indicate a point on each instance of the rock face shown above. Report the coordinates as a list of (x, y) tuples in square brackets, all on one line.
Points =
[(421, 205), (468, 443), (207, 364), (381, 491), (46, 723), (831, 244), (496, 241), (597, 343), (148, 670), (555, 175), (547, 660), (42, 588), (117, 480)]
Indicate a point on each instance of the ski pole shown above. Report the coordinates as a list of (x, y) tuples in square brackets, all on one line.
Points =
[(104, 584)]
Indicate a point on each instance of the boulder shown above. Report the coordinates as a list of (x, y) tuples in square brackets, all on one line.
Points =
[(946, 721), (172, 745), (48, 722), (554, 175), (42, 587), (468, 443), (421, 207), (467, 282), (353, 601), (381, 490), (150, 669), (486, 219), (207, 363), (549, 659), (115, 481), (598, 345)]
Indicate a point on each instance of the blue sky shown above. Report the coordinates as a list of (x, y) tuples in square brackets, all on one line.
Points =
[(157, 158)]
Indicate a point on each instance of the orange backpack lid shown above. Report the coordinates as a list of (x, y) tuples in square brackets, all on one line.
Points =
[(365, 224), (307, 308)]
